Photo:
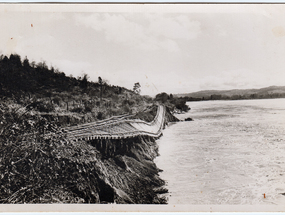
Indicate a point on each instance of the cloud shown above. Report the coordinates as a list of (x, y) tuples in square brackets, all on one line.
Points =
[(56, 16), (29, 32), (30, 46), (177, 27), (240, 78), (75, 68), (149, 32)]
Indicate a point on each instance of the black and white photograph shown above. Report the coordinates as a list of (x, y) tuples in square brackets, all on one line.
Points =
[(163, 107)]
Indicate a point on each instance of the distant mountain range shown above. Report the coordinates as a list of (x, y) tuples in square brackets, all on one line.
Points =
[(267, 92)]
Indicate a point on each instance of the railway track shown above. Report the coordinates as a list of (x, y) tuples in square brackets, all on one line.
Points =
[(118, 127)]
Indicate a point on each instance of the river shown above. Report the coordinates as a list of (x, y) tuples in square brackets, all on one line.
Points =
[(232, 153)]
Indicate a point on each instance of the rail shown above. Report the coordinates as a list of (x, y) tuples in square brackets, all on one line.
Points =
[(118, 127)]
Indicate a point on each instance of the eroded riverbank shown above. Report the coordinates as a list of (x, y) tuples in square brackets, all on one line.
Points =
[(53, 169)]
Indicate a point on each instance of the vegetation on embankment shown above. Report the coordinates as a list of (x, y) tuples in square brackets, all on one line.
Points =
[(69, 100), (62, 99), (173, 103), (37, 168), (39, 165)]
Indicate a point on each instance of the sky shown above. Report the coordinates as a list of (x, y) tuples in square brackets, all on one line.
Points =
[(173, 48)]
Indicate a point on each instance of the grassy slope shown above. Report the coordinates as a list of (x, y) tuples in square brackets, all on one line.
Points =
[(65, 100), (37, 163)]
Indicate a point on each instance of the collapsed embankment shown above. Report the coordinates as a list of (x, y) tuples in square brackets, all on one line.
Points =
[(55, 170), (129, 168)]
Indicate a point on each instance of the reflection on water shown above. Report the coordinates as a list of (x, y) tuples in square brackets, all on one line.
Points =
[(232, 153)]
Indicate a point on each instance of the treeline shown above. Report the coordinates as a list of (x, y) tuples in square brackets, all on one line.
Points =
[(50, 91), (174, 103), (22, 77), (17, 77), (235, 97)]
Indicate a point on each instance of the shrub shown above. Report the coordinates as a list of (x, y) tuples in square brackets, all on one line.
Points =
[(57, 100), (126, 108), (129, 102), (77, 110), (181, 105), (88, 108), (162, 97), (100, 115), (42, 106)]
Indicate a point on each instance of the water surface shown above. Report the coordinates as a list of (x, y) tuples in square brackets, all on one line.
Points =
[(232, 153)]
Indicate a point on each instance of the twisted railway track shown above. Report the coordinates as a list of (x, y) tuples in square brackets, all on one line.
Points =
[(119, 127)]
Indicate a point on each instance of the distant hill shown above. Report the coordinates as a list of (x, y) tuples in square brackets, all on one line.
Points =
[(235, 94)]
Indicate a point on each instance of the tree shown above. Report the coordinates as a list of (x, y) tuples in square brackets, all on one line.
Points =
[(100, 81), (137, 87), (26, 63), (15, 60), (163, 97), (84, 81)]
